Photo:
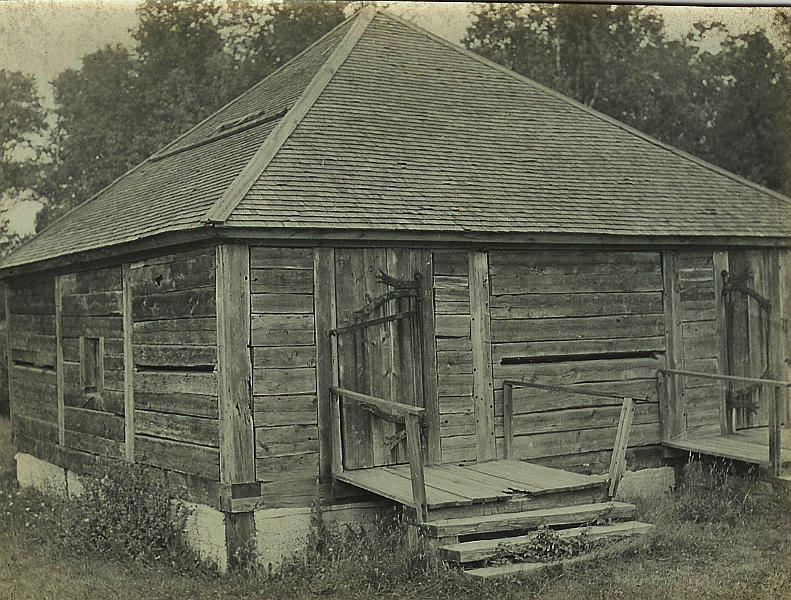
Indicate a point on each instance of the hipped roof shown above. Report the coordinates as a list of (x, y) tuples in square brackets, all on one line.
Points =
[(383, 126)]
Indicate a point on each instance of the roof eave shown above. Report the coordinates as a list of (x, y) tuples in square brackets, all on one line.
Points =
[(126, 251)]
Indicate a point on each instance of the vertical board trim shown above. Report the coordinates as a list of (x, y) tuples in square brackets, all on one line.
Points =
[(720, 264), (237, 447), (9, 359), (59, 360), (129, 370), (671, 412), (324, 310), (483, 385), (430, 395)]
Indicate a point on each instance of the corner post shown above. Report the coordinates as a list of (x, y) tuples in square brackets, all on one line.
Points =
[(9, 357), (325, 313), (129, 367), (59, 381), (234, 381), (672, 410), (720, 266), (777, 356), (480, 323)]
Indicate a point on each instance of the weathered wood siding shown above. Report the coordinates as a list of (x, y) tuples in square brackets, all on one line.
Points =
[(32, 360), (592, 318), (701, 398), (284, 374), (92, 307), (454, 356), (174, 335)]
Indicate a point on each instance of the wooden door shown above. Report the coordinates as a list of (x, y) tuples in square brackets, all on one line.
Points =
[(747, 323), (380, 359)]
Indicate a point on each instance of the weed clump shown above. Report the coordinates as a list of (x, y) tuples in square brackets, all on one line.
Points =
[(123, 513), (546, 546), (713, 493)]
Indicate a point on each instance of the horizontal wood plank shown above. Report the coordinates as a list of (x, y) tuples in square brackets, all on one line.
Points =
[(536, 306), (281, 281), (96, 304), (281, 258), (164, 382), (197, 405), (173, 355), (281, 303), (576, 328), (94, 422), (178, 456), (282, 330), (180, 304), (284, 357), (284, 381), (183, 428)]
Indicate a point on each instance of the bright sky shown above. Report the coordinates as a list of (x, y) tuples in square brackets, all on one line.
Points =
[(45, 37)]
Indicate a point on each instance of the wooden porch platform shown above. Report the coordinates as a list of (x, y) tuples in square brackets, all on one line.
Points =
[(746, 445), (455, 485)]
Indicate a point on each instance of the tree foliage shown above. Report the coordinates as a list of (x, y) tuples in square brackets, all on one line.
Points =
[(23, 120), (190, 58), (22, 126), (729, 106)]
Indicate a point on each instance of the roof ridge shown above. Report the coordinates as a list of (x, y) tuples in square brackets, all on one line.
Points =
[(593, 112), (235, 192), (157, 154), (250, 89)]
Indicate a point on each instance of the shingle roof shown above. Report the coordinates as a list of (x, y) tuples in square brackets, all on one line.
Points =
[(388, 127)]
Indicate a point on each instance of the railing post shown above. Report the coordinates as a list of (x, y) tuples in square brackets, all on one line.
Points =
[(337, 447), (508, 418), (414, 453), (775, 442), (618, 460)]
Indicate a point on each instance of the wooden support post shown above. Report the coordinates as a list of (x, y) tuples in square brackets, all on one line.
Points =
[(672, 413), (237, 451), (430, 394), (508, 420), (129, 366), (59, 360), (415, 455), (336, 461), (784, 311), (618, 460), (234, 371), (9, 359), (720, 261), (480, 323), (325, 313), (776, 359)]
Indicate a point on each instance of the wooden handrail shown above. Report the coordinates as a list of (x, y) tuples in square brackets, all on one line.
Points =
[(412, 417), (772, 382), (562, 388), (391, 411), (618, 459), (776, 410)]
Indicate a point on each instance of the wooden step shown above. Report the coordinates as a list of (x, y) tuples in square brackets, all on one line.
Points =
[(527, 568), (467, 552), (531, 519)]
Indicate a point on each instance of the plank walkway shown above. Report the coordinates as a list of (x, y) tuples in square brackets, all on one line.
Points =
[(457, 485), (747, 445)]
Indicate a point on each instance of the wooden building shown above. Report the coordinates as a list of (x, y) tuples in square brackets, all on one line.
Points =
[(351, 261)]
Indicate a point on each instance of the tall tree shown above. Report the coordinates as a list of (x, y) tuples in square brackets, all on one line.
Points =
[(22, 125), (619, 60)]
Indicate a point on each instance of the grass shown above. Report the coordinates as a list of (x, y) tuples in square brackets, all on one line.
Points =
[(722, 535)]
